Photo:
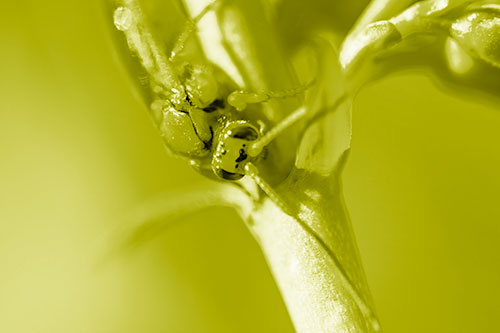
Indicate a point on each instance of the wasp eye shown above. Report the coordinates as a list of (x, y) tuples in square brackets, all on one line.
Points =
[(228, 175), (230, 157), (245, 132)]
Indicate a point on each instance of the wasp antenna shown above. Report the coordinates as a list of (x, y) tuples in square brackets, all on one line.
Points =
[(241, 98), (189, 29), (292, 92), (256, 148), (209, 7)]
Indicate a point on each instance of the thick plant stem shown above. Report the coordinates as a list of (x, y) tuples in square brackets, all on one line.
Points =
[(305, 233), (317, 294), (301, 224)]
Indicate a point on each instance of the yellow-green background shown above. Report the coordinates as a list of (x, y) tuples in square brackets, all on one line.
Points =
[(77, 150)]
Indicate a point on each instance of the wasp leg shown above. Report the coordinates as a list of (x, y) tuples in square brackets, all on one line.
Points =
[(240, 99), (256, 148), (188, 30)]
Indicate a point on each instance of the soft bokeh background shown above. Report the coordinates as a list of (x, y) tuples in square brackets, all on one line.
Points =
[(77, 150)]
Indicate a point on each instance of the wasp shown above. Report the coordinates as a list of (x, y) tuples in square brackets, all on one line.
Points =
[(199, 111)]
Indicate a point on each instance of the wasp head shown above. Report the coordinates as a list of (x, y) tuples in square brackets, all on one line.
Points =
[(230, 156)]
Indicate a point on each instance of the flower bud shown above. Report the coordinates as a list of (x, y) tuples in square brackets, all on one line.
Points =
[(375, 37), (479, 34)]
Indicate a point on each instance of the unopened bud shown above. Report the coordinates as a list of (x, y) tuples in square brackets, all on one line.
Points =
[(375, 37), (479, 34)]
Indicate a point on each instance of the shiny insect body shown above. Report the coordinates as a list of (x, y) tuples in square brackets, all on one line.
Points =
[(200, 112)]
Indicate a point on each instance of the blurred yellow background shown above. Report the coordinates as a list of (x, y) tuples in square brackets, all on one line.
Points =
[(77, 150)]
